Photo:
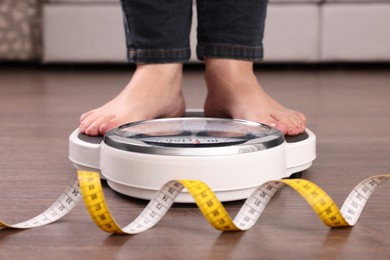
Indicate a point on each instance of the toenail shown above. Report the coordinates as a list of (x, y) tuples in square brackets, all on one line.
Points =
[(90, 129), (84, 125)]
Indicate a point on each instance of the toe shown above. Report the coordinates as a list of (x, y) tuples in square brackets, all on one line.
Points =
[(278, 125), (94, 128), (86, 120), (85, 115), (293, 131), (295, 122), (84, 126), (104, 128)]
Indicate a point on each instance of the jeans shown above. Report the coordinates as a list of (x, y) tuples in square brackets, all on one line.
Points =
[(158, 31)]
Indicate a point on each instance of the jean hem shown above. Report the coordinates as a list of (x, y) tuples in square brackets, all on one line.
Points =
[(156, 56), (229, 51)]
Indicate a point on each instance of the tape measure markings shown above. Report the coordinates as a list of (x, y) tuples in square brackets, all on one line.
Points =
[(88, 187), (357, 199), (156, 208), (93, 197), (209, 205), (255, 204), (95, 202), (62, 206), (321, 203)]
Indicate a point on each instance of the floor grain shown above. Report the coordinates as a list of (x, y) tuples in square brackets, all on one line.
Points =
[(348, 110)]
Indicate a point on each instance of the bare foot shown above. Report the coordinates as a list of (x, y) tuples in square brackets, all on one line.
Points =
[(233, 91), (154, 91)]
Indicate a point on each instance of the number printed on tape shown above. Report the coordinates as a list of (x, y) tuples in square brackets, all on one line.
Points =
[(88, 187)]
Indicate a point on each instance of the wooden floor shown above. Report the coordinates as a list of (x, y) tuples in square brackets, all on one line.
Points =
[(348, 110)]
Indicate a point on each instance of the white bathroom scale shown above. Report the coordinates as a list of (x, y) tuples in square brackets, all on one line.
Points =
[(232, 157)]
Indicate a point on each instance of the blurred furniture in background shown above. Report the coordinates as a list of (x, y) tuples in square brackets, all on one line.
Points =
[(20, 30), (305, 31)]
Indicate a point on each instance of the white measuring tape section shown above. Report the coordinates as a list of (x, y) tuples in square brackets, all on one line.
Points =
[(88, 187), (64, 204)]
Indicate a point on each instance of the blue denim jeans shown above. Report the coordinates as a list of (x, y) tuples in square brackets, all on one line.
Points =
[(158, 31)]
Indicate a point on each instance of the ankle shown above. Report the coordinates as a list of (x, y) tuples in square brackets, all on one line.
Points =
[(228, 66), (155, 77), (225, 75), (171, 69)]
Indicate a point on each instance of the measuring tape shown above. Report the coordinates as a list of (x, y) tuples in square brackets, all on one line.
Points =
[(88, 187)]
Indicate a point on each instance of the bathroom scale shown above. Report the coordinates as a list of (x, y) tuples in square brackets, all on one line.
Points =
[(231, 156)]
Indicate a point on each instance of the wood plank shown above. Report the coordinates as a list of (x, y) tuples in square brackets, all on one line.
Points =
[(348, 110)]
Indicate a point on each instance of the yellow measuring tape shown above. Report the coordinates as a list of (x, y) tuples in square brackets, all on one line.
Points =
[(88, 187)]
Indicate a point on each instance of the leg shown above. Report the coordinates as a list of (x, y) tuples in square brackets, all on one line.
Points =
[(157, 38), (229, 40)]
